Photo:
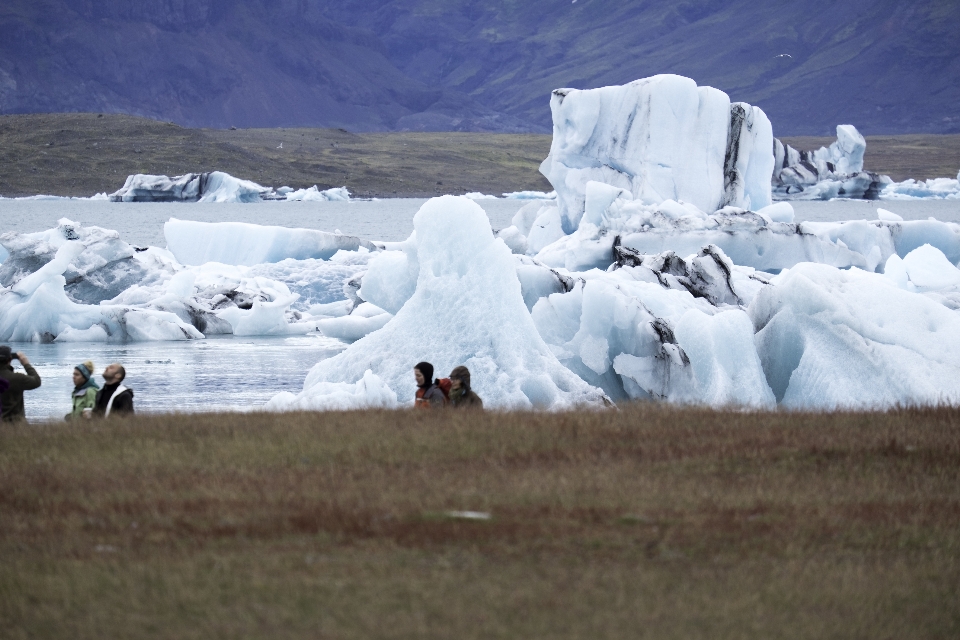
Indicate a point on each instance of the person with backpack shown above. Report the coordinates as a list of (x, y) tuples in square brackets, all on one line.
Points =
[(461, 395), (11, 400), (84, 391), (429, 395)]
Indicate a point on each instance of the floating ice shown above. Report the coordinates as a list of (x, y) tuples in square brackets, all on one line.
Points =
[(214, 186), (314, 194), (829, 338), (659, 138), (530, 195), (239, 243), (936, 189), (467, 293), (829, 172)]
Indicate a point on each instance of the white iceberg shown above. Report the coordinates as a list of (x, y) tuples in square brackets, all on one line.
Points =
[(467, 309), (314, 194), (239, 243), (933, 189), (659, 138), (830, 339)]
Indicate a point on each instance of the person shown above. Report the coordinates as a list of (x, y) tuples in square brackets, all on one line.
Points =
[(114, 397), (84, 391), (11, 400), (461, 395), (429, 394)]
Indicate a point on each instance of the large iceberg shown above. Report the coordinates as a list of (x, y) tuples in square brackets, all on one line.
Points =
[(466, 309), (659, 138)]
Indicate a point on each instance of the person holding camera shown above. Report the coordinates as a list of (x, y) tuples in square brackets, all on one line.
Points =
[(11, 400)]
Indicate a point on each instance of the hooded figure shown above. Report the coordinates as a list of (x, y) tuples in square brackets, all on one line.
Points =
[(11, 398), (461, 395), (429, 394), (84, 390)]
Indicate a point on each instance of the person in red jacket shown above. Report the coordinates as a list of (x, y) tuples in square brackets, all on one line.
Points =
[(429, 394)]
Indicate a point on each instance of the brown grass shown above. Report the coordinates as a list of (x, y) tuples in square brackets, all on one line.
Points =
[(644, 522)]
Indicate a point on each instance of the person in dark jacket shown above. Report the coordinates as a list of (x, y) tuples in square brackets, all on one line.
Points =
[(11, 400), (461, 395), (429, 394), (114, 398)]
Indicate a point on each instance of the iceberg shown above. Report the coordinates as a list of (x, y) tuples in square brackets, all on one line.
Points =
[(659, 138), (828, 172), (213, 186), (830, 338), (934, 189), (467, 292), (238, 243), (314, 194)]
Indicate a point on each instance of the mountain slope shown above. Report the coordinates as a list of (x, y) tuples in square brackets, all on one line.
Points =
[(883, 65)]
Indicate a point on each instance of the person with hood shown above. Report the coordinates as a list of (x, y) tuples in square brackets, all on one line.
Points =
[(84, 391), (429, 394), (461, 395), (11, 400), (114, 397)]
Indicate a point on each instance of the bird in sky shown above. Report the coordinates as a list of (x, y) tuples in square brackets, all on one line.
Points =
[(784, 55)]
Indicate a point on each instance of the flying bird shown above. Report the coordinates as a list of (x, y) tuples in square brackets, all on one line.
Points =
[(281, 146), (784, 55)]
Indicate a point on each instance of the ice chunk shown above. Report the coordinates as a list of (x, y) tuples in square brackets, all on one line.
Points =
[(101, 270), (779, 212), (748, 163), (239, 243), (929, 270), (476, 195), (467, 292), (214, 186), (530, 195), (829, 338), (888, 216), (368, 392), (658, 138), (314, 194), (933, 189), (829, 172), (36, 309), (619, 330)]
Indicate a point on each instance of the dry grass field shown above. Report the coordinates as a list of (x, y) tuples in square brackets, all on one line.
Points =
[(81, 154), (647, 522)]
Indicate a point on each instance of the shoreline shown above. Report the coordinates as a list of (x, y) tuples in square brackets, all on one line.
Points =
[(81, 154)]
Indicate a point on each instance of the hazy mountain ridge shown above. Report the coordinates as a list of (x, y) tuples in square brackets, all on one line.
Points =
[(882, 65)]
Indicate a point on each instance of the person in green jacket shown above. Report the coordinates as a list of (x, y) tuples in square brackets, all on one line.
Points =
[(84, 391)]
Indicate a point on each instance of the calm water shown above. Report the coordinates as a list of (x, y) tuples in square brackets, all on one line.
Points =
[(141, 224), (197, 375)]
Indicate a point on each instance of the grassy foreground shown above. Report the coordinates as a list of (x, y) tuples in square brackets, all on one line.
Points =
[(642, 523)]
